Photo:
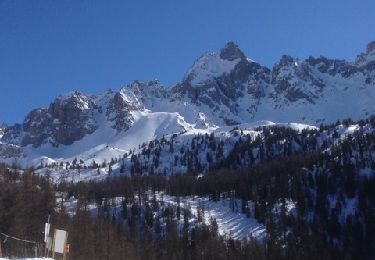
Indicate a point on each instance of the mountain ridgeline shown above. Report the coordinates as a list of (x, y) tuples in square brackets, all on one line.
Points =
[(220, 89)]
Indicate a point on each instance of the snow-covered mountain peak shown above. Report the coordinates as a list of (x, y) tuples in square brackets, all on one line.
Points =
[(76, 99), (212, 65), (286, 60), (143, 89), (231, 52), (208, 67)]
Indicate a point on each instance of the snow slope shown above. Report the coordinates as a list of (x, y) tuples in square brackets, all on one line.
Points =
[(208, 67), (105, 143), (166, 161), (230, 223), (230, 220)]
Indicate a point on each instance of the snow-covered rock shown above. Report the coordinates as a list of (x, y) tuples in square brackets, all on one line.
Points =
[(2, 130)]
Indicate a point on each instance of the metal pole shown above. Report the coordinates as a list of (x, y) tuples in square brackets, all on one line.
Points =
[(46, 247)]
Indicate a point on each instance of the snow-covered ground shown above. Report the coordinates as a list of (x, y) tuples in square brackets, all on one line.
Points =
[(231, 223), (227, 213)]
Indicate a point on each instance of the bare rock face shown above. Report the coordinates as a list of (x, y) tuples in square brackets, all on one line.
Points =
[(368, 64), (295, 81), (68, 119), (12, 134), (118, 110), (146, 92), (10, 151), (331, 66), (2, 130), (37, 127), (231, 52), (72, 118)]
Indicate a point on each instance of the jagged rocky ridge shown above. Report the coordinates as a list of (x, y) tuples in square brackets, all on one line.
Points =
[(224, 88)]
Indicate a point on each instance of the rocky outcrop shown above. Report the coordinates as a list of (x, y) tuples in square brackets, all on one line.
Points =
[(12, 134), (132, 98), (10, 151), (370, 47), (2, 130), (72, 118), (294, 80), (69, 118), (231, 52)]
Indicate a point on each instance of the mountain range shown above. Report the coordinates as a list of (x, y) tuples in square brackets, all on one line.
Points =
[(221, 90)]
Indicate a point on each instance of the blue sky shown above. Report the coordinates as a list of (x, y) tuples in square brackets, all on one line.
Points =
[(52, 47)]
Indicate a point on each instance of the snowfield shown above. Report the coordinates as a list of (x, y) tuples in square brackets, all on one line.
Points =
[(227, 213), (230, 223)]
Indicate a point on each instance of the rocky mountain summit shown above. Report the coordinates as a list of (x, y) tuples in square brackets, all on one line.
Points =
[(223, 88)]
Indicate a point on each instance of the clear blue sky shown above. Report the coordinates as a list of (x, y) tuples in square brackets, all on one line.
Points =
[(52, 47)]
